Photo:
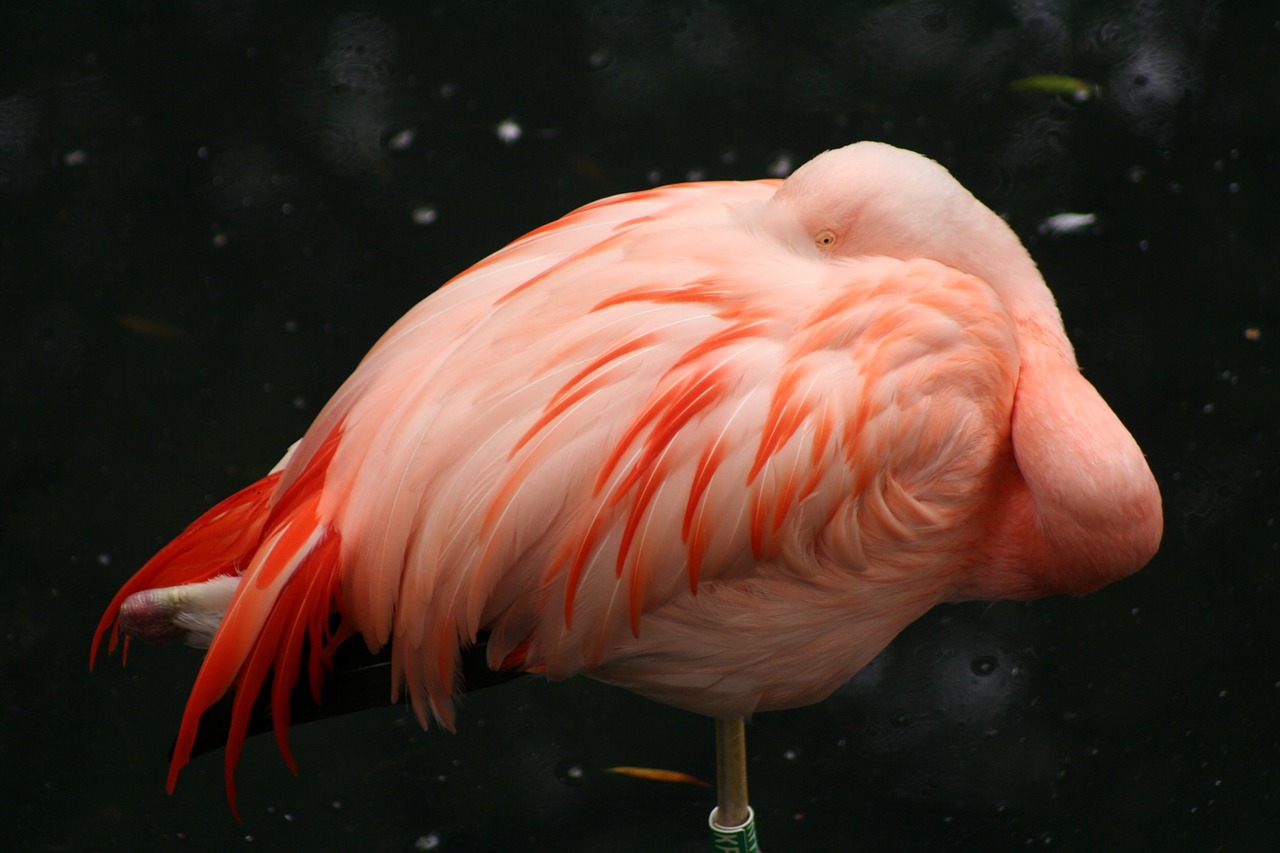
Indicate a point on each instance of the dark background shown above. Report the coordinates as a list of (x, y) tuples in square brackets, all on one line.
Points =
[(210, 209)]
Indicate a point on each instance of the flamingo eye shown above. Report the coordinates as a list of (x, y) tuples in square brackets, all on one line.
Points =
[(825, 239)]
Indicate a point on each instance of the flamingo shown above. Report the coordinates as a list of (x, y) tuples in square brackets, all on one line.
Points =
[(716, 443)]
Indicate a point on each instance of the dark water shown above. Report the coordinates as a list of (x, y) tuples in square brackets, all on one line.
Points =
[(209, 210)]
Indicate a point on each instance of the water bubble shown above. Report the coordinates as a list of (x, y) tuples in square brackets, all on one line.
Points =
[(402, 140), (509, 131), (984, 665), (570, 771), (780, 166)]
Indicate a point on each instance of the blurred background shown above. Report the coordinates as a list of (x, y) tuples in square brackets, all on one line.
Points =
[(210, 209)]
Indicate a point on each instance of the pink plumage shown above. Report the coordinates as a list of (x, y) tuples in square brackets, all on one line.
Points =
[(717, 443)]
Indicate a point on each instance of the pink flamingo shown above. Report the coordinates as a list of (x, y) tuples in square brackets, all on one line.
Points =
[(716, 443)]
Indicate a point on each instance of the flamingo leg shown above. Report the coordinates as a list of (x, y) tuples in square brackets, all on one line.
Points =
[(732, 822)]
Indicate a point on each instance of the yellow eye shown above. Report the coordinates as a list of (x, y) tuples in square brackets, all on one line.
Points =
[(825, 239)]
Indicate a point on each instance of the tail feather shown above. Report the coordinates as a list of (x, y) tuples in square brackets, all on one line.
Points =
[(291, 586), (288, 558)]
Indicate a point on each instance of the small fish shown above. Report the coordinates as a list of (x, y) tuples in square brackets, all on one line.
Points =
[(150, 327), (654, 774), (1068, 223), (1057, 84)]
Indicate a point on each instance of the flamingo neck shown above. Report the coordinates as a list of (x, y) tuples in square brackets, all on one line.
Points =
[(1079, 507)]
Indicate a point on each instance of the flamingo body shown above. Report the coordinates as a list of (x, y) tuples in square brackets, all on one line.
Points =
[(716, 443)]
